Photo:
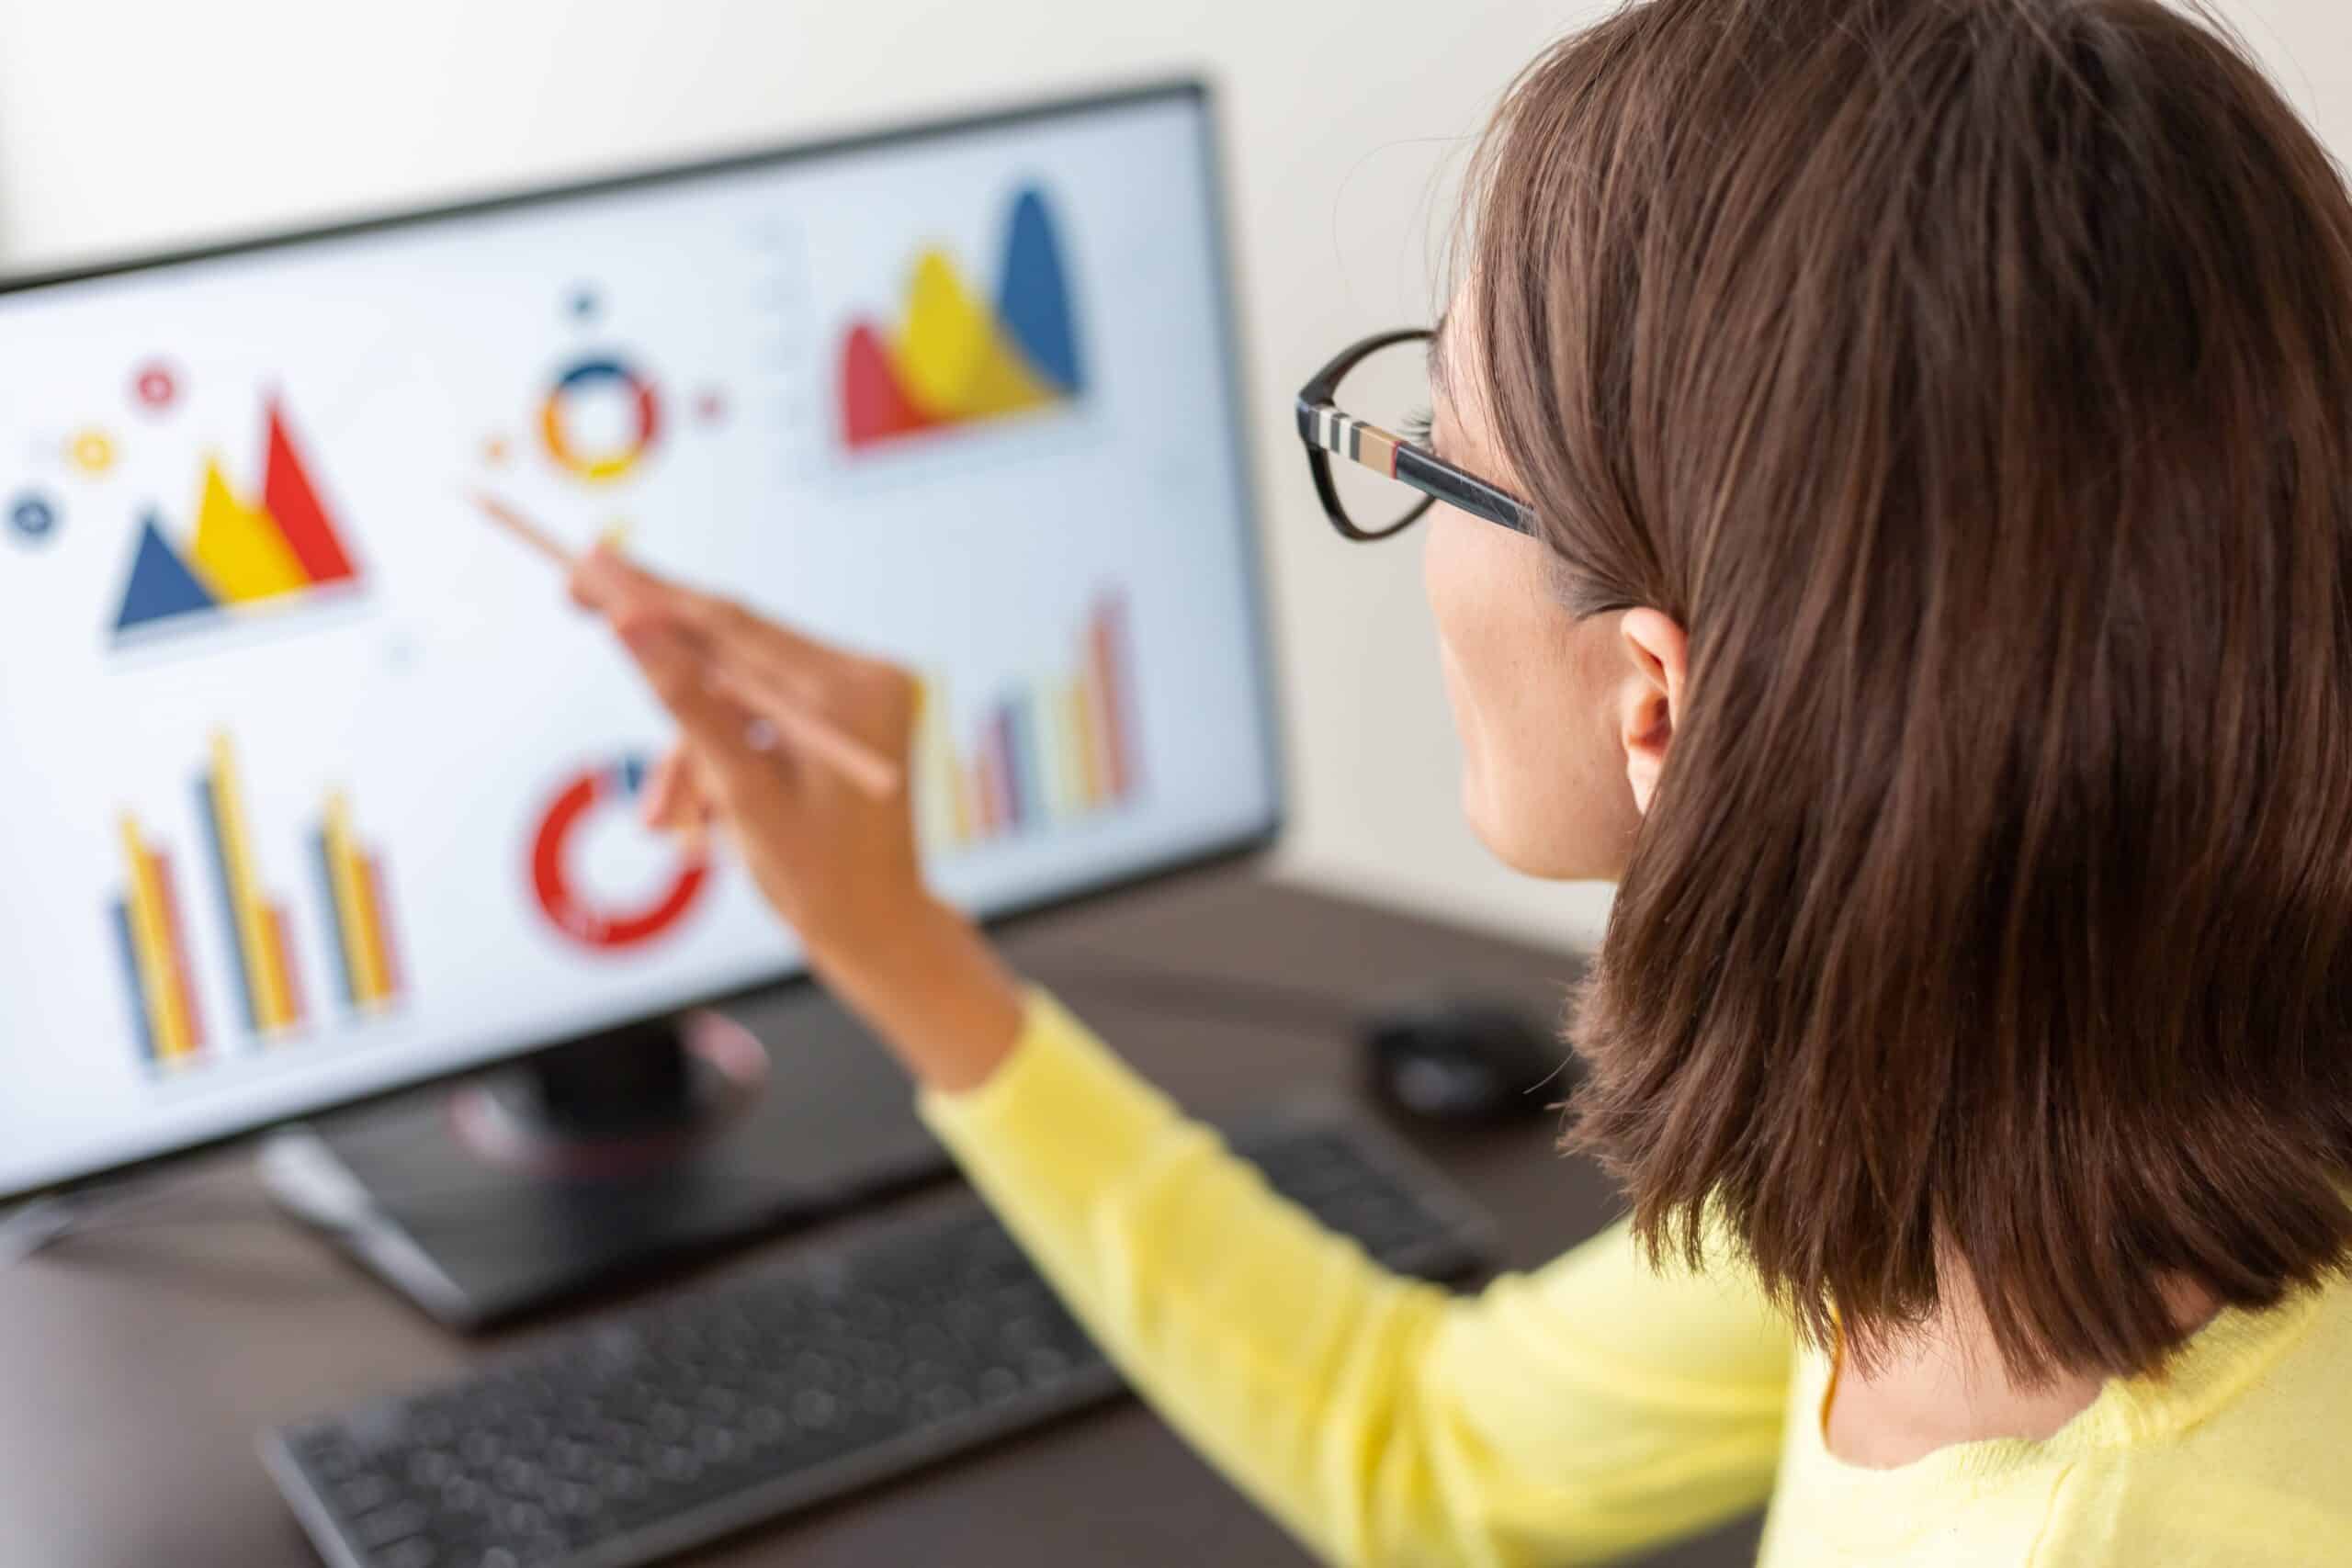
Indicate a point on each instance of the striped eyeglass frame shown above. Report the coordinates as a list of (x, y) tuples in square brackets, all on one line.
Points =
[(1329, 432)]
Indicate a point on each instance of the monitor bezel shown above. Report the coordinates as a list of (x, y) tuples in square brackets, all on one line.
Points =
[(1242, 473)]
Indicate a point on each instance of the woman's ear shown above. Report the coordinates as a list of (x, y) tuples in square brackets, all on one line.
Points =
[(1651, 696)]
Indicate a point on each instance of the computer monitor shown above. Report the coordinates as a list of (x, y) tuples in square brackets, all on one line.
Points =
[(314, 786)]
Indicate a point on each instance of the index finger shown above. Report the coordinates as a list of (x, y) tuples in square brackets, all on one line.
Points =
[(713, 723)]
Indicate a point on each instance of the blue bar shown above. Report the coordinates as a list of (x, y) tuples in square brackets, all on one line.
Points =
[(1038, 752), (205, 814), (137, 988), (335, 917), (1013, 745)]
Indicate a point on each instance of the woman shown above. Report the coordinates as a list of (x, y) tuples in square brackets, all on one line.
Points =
[(1922, 434)]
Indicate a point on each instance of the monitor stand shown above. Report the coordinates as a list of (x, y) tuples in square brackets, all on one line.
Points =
[(602, 1158)]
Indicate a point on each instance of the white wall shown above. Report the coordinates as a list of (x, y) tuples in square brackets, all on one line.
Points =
[(126, 124)]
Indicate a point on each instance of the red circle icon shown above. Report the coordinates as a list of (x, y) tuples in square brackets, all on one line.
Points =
[(155, 386), (574, 911)]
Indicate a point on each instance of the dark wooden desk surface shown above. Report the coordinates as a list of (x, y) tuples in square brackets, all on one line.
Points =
[(138, 1360)]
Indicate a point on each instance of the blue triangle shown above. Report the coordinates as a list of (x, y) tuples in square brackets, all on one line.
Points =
[(161, 584), (1033, 298)]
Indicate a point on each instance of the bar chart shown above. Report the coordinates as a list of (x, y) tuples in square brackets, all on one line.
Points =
[(156, 931), (1050, 750)]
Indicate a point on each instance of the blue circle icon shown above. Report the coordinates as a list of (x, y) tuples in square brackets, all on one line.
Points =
[(32, 517)]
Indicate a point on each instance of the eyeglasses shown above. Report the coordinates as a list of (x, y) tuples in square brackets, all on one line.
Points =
[(1389, 481)]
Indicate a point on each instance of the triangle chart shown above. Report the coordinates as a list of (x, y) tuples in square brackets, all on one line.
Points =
[(285, 546), (960, 357)]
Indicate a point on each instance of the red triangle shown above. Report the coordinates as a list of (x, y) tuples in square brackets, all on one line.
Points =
[(287, 495), (875, 407)]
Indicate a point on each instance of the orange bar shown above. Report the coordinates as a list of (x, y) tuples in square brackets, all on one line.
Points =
[(984, 798), (289, 990), (1094, 697), (379, 926), (264, 981), (191, 1031), (1077, 716)]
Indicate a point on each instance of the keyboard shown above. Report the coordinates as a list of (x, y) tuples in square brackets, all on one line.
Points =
[(858, 1355)]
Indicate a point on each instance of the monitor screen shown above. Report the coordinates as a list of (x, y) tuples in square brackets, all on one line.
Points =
[(315, 785)]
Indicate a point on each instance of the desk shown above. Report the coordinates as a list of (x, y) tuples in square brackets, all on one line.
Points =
[(138, 1360)]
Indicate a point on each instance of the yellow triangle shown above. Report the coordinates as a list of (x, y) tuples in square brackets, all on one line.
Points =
[(953, 357), (240, 549)]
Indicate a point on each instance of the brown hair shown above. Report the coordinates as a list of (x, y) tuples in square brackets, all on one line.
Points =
[(1972, 381)]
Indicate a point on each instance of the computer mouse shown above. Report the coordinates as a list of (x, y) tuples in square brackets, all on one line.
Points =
[(1464, 1060)]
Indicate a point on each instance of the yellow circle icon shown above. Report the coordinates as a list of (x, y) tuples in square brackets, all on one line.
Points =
[(92, 451)]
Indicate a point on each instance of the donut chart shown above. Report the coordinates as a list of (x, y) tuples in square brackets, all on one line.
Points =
[(568, 905), (599, 465)]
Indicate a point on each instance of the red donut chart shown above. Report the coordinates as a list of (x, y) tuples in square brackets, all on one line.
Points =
[(573, 912)]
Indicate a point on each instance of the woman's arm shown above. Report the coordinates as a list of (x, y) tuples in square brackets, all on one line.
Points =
[(1579, 1413), (1571, 1415)]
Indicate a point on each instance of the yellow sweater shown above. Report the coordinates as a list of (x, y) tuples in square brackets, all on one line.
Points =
[(1595, 1408)]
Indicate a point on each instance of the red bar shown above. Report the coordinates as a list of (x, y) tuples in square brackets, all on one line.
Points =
[(976, 785), (294, 1013), (1107, 631), (381, 906), (994, 784)]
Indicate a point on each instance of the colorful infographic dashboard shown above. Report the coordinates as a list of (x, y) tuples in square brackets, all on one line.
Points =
[(318, 784)]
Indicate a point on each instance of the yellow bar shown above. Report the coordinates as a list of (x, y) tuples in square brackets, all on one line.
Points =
[(174, 950), (965, 801), (244, 892), (936, 760), (351, 901), (1046, 747), (926, 794), (371, 881), (157, 977)]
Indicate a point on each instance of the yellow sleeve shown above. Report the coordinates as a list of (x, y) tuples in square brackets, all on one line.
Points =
[(1571, 1414)]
